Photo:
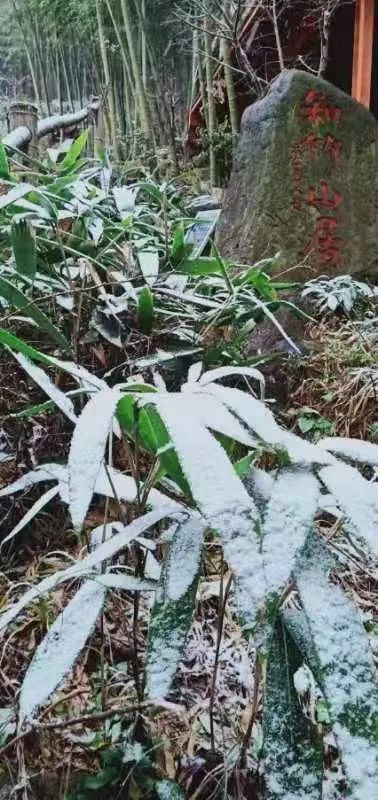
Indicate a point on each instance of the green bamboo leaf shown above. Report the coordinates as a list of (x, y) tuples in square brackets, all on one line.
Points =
[(146, 311), (293, 753), (173, 610), (19, 300), (24, 248), (75, 151), (8, 339), (178, 248), (4, 164), (153, 437), (200, 266)]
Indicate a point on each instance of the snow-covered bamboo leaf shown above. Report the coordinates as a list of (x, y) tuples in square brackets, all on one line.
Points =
[(31, 513), (258, 418), (60, 648), (173, 610), (194, 372), (149, 264), (226, 372), (358, 499), (125, 583), (288, 516), (216, 416), (82, 375), (47, 472), (259, 485), (169, 790), (292, 752), (85, 567), (218, 493), (45, 383), (352, 449), (16, 298), (87, 451), (288, 521), (339, 655)]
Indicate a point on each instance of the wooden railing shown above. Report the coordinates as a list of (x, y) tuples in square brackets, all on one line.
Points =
[(26, 129)]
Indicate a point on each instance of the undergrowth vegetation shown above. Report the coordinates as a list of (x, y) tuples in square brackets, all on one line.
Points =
[(118, 325)]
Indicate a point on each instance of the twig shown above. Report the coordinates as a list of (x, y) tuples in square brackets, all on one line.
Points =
[(255, 704), (222, 602)]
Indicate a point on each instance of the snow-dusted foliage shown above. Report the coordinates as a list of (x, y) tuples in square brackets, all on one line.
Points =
[(60, 648), (265, 523), (292, 750), (87, 451), (172, 612), (358, 500), (339, 655)]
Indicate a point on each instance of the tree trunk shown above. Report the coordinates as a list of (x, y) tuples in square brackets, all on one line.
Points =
[(210, 103), (139, 87)]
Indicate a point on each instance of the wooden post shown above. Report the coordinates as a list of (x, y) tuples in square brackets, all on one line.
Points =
[(25, 115), (363, 51)]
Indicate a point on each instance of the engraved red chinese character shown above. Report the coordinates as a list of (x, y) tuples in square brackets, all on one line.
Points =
[(312, 142), (323, 197), (326, 242), (317, 108), (333, 146)]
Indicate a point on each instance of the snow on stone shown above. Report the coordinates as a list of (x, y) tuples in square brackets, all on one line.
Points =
[(60, 648), (358, 499)]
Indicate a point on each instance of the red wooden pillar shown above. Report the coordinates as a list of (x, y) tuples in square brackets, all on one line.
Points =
[(363, 51)]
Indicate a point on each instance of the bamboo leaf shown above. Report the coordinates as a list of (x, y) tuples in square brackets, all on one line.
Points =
[(60, 648), (87, 451), (4, 164), (338, 652), (218, 493), (149, 265), (20, 301), (173, 610), (260, 420), (42, 379), (75, 151), (31, 513), (145, 311), (24, 248), (358, 500), (352, 449), (102, 553), (293, 754), (169, 790)]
